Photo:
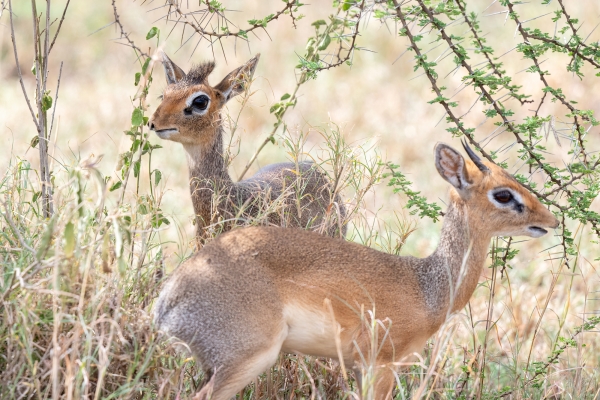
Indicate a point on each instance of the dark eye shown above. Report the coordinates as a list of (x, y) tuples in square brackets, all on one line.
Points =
[(201, 102), (503, 196)]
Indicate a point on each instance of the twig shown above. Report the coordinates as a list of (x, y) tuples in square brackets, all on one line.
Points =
[(62, 18), (55, 101), (241, 33), (124, 34), (18, 65)]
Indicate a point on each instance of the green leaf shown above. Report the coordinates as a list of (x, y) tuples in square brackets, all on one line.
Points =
[(157, 177), (152, 32), (115, 186), (34, 141), (142, 209), (324, 43), (138, 75), (285, 96), (69, 239), (274, 107), (137, 118), (46, 101), (380, 14), (136, 168), (145, 66)]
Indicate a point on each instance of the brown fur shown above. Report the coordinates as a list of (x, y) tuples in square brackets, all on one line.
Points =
[(254, 292), (287, 194)]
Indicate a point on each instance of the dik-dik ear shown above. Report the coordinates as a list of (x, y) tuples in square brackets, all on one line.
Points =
[(235, 82), (451, 166), (172, 72)]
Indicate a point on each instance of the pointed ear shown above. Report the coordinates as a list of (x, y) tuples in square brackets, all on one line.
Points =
[(235, 82), (172, 72), (451, 166)]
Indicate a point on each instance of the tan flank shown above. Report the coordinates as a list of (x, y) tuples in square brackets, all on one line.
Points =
[(285, 194), (255, 292)]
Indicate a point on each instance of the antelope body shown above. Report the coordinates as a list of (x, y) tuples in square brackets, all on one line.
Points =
[(255, 292), (288, 194)]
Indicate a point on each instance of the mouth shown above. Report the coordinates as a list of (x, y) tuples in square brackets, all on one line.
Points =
[(536, 231), (166, 133)]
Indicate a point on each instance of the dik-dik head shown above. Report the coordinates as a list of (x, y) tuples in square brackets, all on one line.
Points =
[(190, 108), (495, 201)]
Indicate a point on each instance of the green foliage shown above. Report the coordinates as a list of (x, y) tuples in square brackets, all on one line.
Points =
[(417, 204)]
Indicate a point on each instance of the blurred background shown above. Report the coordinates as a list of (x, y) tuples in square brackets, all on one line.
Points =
[(379, 103)]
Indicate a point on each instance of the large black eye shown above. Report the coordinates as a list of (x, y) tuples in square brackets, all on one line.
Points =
[(503, 196), (201, 102)]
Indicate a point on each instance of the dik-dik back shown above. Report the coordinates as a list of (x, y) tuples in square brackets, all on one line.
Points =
[(284, 194)]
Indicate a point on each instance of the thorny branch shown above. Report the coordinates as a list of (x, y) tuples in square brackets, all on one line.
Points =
[(493, 65), (291, 102), (190, 20), (124, 34), (560, 184)]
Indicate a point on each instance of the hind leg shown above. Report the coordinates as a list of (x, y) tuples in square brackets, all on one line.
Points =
[(231, 377)]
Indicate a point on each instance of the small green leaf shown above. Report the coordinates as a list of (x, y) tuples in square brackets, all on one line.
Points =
[(285, 96), (116, 185), (157, 177), (46, 101), (136, 168), (34, 141), (138, 75), (324, 43), (33, 70), (137, 118), (274, 108), (69, 239), (145, 66), (142, 209), (152, 32)]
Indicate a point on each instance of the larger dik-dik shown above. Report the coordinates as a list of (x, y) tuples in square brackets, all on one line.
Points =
[(255, 292), (284, 194)]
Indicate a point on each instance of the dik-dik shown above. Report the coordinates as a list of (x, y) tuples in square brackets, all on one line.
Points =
[(256, 292), (284, 194)]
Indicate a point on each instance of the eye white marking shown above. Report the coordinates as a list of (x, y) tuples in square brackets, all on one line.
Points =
[(188, 101), (511, 204)]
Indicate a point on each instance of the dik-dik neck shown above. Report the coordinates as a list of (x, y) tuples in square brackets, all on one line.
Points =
[(205, 159), (454, 268), (208, 174)]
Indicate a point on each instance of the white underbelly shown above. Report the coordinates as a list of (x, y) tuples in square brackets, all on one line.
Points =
[(310, 332)]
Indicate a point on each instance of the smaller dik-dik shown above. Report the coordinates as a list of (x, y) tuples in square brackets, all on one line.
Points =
[(255, 292), (285, 194)]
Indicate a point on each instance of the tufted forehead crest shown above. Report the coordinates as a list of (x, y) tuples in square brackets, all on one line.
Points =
[(199, 73)]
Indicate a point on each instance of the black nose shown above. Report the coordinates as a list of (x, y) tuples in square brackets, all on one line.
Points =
[(151, 125)]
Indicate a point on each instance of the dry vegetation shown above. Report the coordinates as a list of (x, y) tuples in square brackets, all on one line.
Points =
[(76, 289)]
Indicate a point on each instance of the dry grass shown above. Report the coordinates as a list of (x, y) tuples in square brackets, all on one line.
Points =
[(75, 311)]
